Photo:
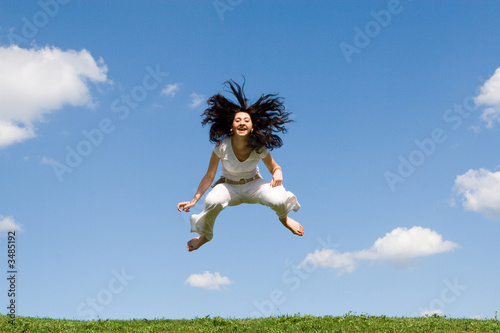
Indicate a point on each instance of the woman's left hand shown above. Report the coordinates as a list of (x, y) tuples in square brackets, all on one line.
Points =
[(277, 178)]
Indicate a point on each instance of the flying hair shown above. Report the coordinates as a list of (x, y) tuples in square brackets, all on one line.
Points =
[(267, 113)]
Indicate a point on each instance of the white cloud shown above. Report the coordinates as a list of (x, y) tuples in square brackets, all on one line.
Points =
[(11, 133), (476, 129), (171, 89), (490, 115), (430, 313), (452, 203), (398, 248), (8, 224), (480, 192), (47, 160), (489, 96), (35, 82), (490, 91), (196, 100), (208, 280), (402, 245), (331, 258)]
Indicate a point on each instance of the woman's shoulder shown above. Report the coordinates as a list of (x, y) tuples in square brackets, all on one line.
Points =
[(261, 152), (224, 143), (221, 146)]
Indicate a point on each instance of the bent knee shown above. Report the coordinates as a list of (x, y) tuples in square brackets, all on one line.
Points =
[(282, 202), (216, 200), (276, 204)]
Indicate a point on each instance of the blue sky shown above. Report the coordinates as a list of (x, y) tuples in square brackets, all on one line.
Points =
[(392, 156)]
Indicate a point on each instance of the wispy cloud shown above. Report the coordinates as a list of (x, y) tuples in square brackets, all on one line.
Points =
[(399, 248), (171, 89), (480, 192), (196, 100), (9, 224), (47, 160), (477, 317), (430, 313), (489, 97), (38, 81), (207, 280), (12, 132)]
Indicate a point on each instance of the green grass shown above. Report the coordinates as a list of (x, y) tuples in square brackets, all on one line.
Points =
[(286, 323)]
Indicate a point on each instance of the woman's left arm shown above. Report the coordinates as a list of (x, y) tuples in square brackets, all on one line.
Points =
[(274, 169)]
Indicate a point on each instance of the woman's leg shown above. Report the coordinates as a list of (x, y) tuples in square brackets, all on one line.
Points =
[(196, 242), (216, 200), (292, 225), (279, 200)]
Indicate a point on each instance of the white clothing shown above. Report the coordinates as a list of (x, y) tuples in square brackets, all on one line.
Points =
[(256, 191), (232, 168)]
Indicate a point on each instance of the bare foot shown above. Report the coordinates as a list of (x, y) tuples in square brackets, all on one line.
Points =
[(293, 226), (195, 243)]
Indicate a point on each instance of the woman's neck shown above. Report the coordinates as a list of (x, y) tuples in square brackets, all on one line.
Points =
[(239, 143)]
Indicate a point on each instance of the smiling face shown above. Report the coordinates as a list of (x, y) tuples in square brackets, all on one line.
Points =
[(242, 124)]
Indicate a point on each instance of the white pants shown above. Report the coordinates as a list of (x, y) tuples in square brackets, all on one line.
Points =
[(256, 191)]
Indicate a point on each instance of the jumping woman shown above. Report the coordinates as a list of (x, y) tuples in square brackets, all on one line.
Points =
[(242, 135)]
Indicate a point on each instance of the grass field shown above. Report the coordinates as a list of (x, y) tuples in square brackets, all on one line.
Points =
[(286, 323)]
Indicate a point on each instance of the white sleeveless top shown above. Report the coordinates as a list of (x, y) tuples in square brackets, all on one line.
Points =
[(232, 168)]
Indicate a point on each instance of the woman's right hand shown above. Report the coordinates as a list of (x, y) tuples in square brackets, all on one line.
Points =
[(186, 205)]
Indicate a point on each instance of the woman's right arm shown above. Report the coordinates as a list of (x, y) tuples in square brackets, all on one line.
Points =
[(204, 184)]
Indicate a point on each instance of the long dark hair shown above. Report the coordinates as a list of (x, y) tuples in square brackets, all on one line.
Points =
[(267, 113)]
